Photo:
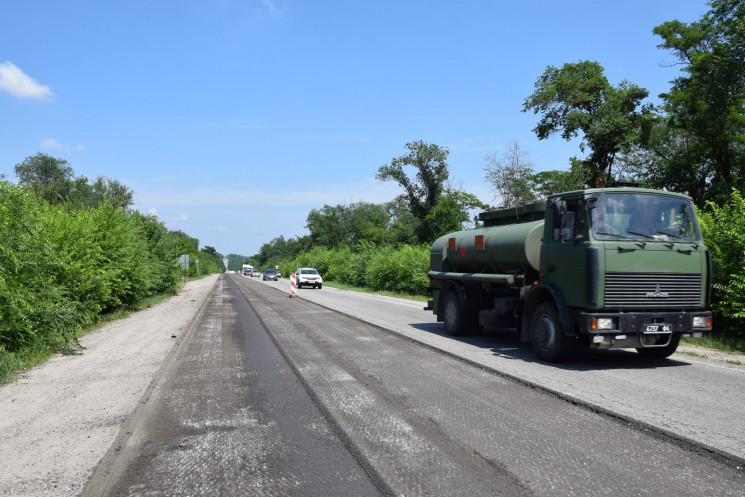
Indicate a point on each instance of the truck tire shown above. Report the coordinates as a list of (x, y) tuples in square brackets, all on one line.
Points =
[(457, 323), (546, 336), (661, 352)]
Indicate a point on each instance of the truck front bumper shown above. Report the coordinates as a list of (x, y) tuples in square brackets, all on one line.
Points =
[(640, 329)]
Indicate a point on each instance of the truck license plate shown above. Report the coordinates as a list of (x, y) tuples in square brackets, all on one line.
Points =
[(658, 328)]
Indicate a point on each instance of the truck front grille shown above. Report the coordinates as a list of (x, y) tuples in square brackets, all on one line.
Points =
[(652, 290)]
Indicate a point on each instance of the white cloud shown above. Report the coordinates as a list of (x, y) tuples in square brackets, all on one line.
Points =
[(52, 143), (271, 5), (20, 85), (182, 217)]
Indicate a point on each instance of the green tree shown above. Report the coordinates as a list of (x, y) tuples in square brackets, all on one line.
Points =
[(705, 108), (53, 180), (48, 177), (453, 212), (577, 99), (547, 183), (348, 224), (424, 191)]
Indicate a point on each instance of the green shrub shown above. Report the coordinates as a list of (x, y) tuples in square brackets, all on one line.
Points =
[(62, 267), (723, 229), (402, 269)]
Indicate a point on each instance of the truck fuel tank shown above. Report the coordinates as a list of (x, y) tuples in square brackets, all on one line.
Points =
[(496, 249)]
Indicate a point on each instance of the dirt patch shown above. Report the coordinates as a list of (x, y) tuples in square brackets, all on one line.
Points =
[(713, 354)]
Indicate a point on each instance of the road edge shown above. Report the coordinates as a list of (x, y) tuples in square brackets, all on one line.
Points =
[(100, 479)]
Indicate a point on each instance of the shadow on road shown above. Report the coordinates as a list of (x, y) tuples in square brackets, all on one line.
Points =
[(505, 344)]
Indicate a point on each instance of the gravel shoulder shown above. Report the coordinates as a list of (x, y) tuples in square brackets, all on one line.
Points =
[(58, 420)]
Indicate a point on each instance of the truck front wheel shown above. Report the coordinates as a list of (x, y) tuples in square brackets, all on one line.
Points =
[(546, 336), (457, 322)]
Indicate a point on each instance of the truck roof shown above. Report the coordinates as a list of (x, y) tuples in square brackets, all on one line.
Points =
[(536, 212)]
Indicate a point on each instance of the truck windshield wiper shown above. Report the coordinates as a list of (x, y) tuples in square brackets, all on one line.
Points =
[(611, 234), (640, 234)]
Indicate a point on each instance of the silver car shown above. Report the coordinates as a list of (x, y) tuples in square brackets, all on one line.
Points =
[(307, 276)]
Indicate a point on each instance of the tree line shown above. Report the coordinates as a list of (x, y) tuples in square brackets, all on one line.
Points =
[(73, 251)]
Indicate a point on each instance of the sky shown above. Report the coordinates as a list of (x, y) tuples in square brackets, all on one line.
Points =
[(232, 119)]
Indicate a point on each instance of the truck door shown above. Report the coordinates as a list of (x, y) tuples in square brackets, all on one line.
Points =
[(564, 251)]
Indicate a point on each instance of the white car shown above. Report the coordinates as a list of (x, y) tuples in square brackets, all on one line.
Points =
[(307, 276)]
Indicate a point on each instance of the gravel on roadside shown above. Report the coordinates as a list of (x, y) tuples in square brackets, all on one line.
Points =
[(59, 419)]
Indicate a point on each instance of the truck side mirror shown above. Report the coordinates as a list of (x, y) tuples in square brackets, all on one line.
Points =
[(561, 232)]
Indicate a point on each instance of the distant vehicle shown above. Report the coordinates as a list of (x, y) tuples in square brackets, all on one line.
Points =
[(307, 276), (271, 274), (247, 268), (255, 272)]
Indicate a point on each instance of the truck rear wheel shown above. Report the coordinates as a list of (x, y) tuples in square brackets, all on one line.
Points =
[(457, 322), (661, 352), (546, 335)]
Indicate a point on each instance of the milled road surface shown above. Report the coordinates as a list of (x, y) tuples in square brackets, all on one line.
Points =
[(229, 419)]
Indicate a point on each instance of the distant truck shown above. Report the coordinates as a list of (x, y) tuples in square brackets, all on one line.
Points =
[(619, 267), (247, 269)]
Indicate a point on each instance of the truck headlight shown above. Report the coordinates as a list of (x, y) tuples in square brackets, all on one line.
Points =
[(701, 321), (603, 324)]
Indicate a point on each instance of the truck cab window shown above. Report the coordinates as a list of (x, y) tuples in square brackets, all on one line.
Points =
[(639, 217)]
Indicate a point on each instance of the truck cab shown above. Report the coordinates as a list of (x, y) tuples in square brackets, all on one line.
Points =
[(630, 266)]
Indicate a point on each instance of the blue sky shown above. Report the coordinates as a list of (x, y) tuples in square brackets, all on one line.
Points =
[(232, 119)]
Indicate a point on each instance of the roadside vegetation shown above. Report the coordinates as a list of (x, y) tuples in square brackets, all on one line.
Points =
[(73, 253)]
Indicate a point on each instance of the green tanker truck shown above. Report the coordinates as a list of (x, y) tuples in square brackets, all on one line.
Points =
[(620, 267)]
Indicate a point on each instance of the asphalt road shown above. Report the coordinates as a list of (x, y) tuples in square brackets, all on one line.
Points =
[(695, 398), (274, 395), (229, 417)]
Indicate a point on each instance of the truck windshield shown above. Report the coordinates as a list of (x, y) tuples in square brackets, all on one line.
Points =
[(644, 217)]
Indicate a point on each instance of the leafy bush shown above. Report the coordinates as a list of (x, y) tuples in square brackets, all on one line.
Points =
[(402, 269), (723, 229), (398, 269), (62, 267)]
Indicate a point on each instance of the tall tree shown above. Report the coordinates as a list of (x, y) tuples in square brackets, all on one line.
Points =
[(49, 177), (547, 183), (706, 105), (510, 175), (53, 179), (577, 99), (424, 191)]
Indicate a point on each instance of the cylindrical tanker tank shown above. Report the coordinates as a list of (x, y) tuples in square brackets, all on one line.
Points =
[(509, 248)]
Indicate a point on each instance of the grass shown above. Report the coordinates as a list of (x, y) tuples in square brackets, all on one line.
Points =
[(693, 354), (718, 342)]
